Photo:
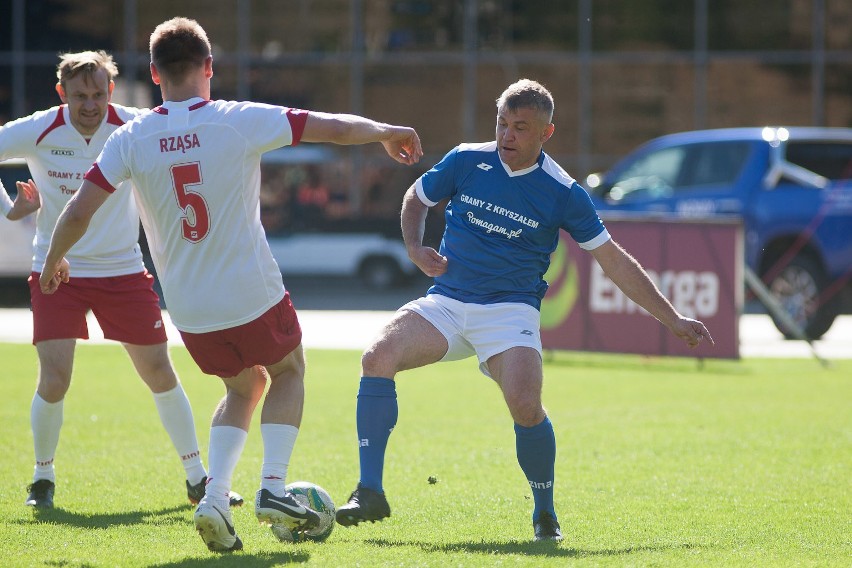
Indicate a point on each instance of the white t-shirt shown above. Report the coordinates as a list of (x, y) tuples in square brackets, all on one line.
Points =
[(195, 167), (58, 156)]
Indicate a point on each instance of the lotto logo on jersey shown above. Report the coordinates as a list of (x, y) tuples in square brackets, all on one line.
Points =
[(158, 324)]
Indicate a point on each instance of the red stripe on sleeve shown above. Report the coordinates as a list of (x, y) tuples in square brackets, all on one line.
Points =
[(95, 176), (297, 118)]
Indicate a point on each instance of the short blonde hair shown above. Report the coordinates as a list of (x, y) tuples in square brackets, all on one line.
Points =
[(85, 62)]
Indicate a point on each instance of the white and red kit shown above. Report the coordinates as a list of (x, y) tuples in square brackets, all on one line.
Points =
[(195, 167), (58, 156)]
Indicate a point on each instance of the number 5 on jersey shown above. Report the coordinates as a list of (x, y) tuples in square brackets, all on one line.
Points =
[(195, 222)]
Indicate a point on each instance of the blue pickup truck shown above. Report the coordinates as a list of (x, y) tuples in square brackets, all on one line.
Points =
[(792, 188)]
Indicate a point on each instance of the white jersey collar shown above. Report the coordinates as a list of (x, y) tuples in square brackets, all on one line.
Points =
[(175, 105), (522, 172)]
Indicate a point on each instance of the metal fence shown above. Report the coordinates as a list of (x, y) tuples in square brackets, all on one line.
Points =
[(621, 71)]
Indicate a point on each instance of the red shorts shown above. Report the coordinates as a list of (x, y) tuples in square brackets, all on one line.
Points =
[(263, 341), (126, 307)]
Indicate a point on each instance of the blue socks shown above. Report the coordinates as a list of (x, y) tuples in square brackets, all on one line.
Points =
[(377, 415), (536, 449), (375, 418)]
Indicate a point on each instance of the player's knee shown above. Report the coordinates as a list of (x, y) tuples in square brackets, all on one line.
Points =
[(52, 391), (377, 362), (526, 411), (159, 377), (250, 384), (53, 383), (255, 391)]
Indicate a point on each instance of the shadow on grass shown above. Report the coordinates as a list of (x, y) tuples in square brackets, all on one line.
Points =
[(259, 560), (177, 515), (58, 516), (660, 364), (544, 548)]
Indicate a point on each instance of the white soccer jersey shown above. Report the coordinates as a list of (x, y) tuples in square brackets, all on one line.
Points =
[(195, 167), (58, 156)]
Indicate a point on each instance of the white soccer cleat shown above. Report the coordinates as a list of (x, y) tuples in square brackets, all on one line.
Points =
[(216, 528)]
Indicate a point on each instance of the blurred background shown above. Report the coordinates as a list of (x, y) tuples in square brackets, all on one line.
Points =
[(621, 71)]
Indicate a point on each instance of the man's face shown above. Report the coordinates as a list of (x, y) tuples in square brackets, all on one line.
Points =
[(520, 136), (87, 97)]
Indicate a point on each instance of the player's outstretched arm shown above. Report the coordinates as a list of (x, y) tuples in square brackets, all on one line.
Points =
[(401, 142), (632, 279), (413, 221), (70, 228)]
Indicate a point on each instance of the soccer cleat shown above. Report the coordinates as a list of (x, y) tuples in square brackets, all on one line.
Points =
[(364, 505), (196, 493), (41, 494), (216, 528), (271, 509), (546, 527)]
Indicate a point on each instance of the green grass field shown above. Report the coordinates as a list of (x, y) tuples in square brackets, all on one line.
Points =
[(661, 462)]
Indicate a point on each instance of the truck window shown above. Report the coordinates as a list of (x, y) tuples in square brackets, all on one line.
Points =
[(832, 160), (651, 176), (668, 171), (713, 164)]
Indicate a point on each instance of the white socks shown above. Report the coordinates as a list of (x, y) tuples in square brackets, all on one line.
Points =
[(278, 442), (45, 421), (226, 446), (176, 416)]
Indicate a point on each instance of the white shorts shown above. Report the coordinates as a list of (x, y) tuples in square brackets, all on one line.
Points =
[(483, 330)]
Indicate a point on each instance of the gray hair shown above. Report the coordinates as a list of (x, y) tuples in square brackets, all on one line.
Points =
[(527, 93)]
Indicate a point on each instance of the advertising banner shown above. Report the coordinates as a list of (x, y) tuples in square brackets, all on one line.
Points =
[(697, 265)]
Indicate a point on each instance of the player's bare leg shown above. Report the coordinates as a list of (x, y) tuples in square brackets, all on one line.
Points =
[(280, 419), (228, 433), (518, 372), (408, 341), (56, 361), (154, 366)]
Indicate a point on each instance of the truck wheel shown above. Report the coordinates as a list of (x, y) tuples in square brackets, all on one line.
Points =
[(798, 287), (380, 273)]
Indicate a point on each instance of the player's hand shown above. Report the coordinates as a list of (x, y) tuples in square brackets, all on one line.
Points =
[(691, 331), (49, 281), (404, 145), (26, 202), (428, 260)]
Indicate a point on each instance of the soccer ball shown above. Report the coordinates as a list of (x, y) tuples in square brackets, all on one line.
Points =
[(313, 496)]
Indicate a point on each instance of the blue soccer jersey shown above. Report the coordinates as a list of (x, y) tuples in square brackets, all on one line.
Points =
[(502, 226)]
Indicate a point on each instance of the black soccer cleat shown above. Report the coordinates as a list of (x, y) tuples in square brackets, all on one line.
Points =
[(195, 493), (364, 505), (41, 494), (546, 527), (284, 510)]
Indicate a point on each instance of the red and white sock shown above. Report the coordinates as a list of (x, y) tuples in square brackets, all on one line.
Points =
[(226, 446), (176, 416), (46, 421), (278, 443)]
